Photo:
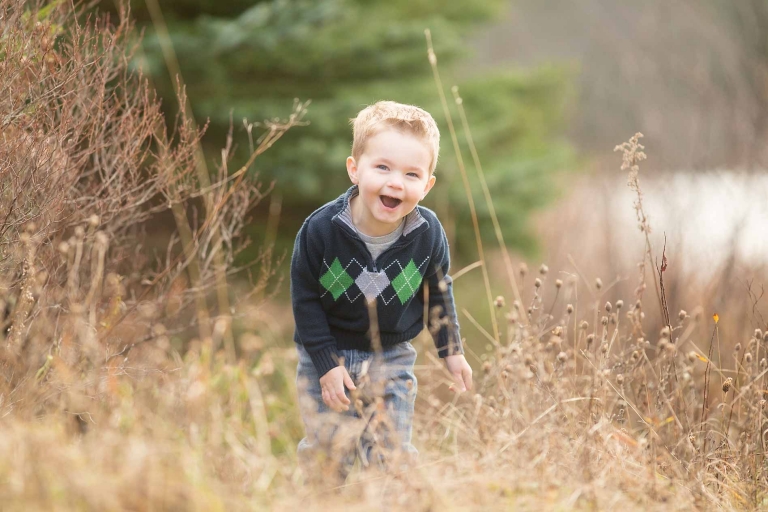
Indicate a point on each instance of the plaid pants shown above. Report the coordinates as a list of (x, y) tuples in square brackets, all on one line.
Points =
[(378, 425)]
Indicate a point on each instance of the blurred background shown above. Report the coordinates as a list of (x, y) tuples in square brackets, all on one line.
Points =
[(549, 87)]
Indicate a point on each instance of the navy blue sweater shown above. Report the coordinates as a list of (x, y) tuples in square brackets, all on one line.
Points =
[(334, 278)]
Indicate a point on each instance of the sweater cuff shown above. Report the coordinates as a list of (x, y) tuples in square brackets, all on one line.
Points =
[(325, 360), (448, 343)]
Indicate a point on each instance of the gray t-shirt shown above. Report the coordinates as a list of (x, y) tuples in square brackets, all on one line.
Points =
[(378, 244)]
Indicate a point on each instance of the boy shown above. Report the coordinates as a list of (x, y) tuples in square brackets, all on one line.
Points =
[(359, 271)]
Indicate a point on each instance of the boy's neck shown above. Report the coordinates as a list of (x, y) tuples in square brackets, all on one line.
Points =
[(369, 226)]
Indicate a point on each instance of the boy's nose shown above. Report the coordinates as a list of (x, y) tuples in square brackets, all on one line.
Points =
[(395, 182)]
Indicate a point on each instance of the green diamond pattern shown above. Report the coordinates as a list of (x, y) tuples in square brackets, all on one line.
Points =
[(407, 282), (336, 280)]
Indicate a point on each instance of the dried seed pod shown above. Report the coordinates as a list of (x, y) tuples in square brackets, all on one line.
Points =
[(608, 307), (620, 379), (590, 339), (727, 384), (635, 355), (665, 332), (537, 283), (523, 269), (598, 283), (604, 321), (748, 357), (562, 357), (682, 315), (692, 356), (737, 348), (558, 283), (619, 304), (543, 269), (584, 325), (569, 308), (499, 302)]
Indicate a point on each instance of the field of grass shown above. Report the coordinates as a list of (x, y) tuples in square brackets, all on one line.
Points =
[(128, 382)]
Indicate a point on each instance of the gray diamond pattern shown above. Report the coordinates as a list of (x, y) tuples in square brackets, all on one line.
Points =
[(372, 284)]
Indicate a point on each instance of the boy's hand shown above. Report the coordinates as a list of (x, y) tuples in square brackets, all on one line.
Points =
[(333, 384), (460, 371)]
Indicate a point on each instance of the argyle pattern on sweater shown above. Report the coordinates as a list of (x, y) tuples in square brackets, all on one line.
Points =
[(337, 281)]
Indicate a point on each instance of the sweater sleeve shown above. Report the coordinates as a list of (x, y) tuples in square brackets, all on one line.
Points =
[(312, 329), (443, 323)]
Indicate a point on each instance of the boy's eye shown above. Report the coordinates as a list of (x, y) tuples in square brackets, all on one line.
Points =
[(413, 174), (382, 167)]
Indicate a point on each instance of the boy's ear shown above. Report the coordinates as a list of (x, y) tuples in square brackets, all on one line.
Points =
[(430, 184), (352, 170)]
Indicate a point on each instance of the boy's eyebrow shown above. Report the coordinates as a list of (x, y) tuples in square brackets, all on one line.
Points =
[(410, 168)]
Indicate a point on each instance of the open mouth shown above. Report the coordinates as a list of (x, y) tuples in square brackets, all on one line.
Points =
[(390, 202)]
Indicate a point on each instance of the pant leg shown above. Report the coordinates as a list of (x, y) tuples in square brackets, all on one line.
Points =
[(329, 445), (390, 428)]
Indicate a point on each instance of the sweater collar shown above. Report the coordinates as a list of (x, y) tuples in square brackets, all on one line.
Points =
[(414, 222)]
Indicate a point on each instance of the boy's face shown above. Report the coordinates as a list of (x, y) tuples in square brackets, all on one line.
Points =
[(392, 175)]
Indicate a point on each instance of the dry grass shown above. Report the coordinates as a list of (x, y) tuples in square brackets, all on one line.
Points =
[(106, 403)]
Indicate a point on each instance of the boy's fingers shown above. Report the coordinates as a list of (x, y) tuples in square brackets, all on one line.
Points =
[(342, 396), (466, 373), (327, 399), (348, 381), (333, 402), (459, 382)]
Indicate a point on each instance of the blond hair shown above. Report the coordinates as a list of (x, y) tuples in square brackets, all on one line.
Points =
[(389, 114)]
